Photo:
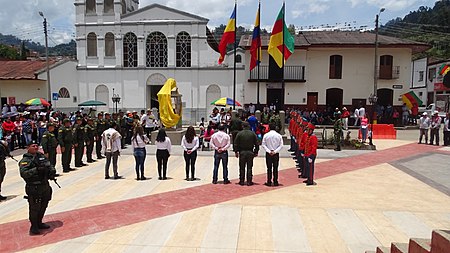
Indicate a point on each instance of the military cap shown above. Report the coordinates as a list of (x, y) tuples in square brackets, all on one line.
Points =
[(66, 120), (107, 113), (50, 124), (79, 118), (33, 142), (90, 119)]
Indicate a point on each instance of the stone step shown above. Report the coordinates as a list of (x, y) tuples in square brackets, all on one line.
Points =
[(399, 247), (419, 245), (440, 241), (381, 249)]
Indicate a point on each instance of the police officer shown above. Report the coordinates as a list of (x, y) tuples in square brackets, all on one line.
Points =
[(89, 137), (100, 125), (49, 144), (275, 119), (36, 170), (4, 152), (108, 120), (246, 148), (65, 139), (123, 127), (78, 142), (338, 131)]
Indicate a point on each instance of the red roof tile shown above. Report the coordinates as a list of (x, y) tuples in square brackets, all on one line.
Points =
[(20, 70)]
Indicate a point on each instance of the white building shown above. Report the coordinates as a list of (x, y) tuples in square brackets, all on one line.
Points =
[(332, 69), (131, 52), (435, 81)]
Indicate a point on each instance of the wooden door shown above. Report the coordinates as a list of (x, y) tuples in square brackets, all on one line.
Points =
[(313, 98)]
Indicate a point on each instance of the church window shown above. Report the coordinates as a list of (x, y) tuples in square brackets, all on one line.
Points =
[(109, 45), (156, 46), (130, 50), (91, 7), (183, 50), (108, 6), (92, 44), (63, 93)]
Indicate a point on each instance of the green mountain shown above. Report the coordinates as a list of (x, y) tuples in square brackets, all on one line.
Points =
[(429, 25), (6, 41)]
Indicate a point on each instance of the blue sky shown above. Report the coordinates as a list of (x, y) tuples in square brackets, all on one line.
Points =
[(21, 18)]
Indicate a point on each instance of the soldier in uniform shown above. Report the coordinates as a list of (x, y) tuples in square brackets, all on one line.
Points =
[(123, 127), (275, 119), (78, 142), (310, 153), (49, 144), (89, 137), (338, 131), (246, 148), (36, 170), (4, 152), (108, 120), (65, 139), (100, 125)]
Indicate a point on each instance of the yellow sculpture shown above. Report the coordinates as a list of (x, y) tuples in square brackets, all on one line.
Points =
[(168, 117)]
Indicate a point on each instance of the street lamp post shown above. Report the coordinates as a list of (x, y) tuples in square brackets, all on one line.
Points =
[(116, 100), (49, 94), (373, 97)]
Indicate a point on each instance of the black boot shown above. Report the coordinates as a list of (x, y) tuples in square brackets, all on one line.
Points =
[(34, 230)]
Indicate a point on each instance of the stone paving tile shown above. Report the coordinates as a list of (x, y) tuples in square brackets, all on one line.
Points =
[(288, 175)]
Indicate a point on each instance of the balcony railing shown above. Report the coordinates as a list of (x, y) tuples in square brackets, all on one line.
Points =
[(291, 74), (388, 74)]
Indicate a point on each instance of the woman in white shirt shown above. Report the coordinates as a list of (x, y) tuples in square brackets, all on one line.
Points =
[(190, 144), (138, 142), (163, 147)]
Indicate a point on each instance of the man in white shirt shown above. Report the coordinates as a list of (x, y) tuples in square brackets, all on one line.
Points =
[(272, 142), (251, 108), (220, 142), (424, 125), (111, 144), (149, 122)]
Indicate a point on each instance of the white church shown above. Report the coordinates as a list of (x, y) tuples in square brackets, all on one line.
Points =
[(127, 51), (131, 52)]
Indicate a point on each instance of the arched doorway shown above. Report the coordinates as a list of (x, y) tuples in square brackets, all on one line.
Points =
[(212, 93), (154, 84), (385, 97), (334, 98), (102, 94)]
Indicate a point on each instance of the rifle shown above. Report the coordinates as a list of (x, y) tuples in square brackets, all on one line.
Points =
[(56, 182), (12, 157)]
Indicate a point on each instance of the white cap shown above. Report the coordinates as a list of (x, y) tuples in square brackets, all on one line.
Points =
[(435, 112), (425, 114)]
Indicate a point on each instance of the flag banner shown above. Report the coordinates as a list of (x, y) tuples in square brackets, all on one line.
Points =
[(279, 31), (444, 69), (228, 37), (255, 49), (411, 99)]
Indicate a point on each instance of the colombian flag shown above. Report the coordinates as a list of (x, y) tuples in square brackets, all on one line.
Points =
[(276, 40), (228, 37), (255, 49), (444, 69), (411, 99)]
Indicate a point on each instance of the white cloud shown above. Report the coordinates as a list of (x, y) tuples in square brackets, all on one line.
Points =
[(305, 8), (21, 18), (394, 5)]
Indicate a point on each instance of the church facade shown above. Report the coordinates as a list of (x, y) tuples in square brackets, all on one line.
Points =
[(130, 52)]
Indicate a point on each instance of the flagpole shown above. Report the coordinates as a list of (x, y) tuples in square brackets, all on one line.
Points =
[(235, 47), (259, 53), (282, 66)]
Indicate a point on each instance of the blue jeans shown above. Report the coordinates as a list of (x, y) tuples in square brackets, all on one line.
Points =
[(139, 156), (364, 133), (27, 138), (217, 158)]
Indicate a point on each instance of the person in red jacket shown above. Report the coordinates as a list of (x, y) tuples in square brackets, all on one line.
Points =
[(291, 130), (8, 132), (310, 153)]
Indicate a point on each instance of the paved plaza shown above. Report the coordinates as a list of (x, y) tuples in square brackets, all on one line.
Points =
[(362, 199)]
